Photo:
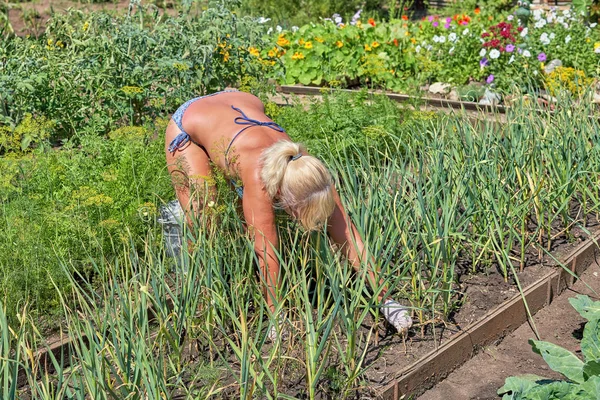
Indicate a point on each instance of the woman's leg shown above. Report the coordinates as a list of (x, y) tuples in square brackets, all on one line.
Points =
[(191, 175)]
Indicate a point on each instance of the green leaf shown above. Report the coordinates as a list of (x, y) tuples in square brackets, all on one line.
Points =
[(591, 369), (550, 390), (590, 389), (305, 78), (25, 142), (559, 359), (590, 344), (517, 385), (586, 307)]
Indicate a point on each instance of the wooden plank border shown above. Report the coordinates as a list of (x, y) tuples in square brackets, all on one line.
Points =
[(400, 98), (496, 324)]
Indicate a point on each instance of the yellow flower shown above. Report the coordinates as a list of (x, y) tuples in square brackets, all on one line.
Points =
[(367, 47), (298, 56), (413, 40), (339, 44), (308, 45), (85, 26), (253, 51), (50, 41), (272, 53), (301, 42), (318, 39), (180, 67), (359, 24), (596, 46), (59, 43), (375, 44), (407, 33), (282, 41)]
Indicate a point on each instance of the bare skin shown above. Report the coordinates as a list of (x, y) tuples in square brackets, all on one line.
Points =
[(210, 124)]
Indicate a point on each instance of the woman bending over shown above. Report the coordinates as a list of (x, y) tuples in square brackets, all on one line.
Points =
[(230, 130)]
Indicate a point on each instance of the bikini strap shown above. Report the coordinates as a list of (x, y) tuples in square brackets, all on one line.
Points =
[(249, 122)]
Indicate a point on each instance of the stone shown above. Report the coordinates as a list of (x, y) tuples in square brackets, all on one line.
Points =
[(453, 95), (439, 88), (489, 98), (596, 99), (552, 65)]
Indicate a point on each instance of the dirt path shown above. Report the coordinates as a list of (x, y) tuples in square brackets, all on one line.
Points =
[(482, 376)]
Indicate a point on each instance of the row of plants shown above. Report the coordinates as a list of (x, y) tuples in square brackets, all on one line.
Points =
[(98, 71), (491, 48), (430, 194)]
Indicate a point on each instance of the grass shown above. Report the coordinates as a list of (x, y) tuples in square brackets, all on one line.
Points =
[(429, 194)]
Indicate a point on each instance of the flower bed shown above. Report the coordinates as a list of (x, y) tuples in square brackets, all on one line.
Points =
[(494, 50)]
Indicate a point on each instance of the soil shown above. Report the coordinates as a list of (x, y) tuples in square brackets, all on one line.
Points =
[(30, 18), (481, 377)]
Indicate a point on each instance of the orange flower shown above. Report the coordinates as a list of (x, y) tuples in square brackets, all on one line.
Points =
[(405, 17), (372, 22), (339, 44), (477, 10), (375, 44), (396, 42)]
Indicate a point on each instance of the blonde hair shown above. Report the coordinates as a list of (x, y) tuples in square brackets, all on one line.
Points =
[(301, 183)]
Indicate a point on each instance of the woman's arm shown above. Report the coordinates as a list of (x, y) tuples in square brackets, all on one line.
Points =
[(259, 215), (343, 232)]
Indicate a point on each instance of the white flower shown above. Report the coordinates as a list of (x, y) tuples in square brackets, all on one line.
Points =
[(566, 25), (540, 23), (452, 37), (566, 12), (278, 29), (429, 47), (567, 39), (597, 50), (552, 35), (512, 59), (526, 53), (466, 31), (442, 39), (436, 38), (263, 20), (524, 32), (535, 72), (537, 14), (295, 28), (510, 17), (451, 50), (560, 20), (482, 52), (494, 53), (481, 40), (593, 25), (418, 49), (270, 31), (544, 39)]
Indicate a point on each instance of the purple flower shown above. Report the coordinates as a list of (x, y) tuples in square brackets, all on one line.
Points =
[(483, 62), (435, 23), (542, 57), (490, 79), (448, 20), (430, 18), (447, 25), (519, 50), (510, 48)]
